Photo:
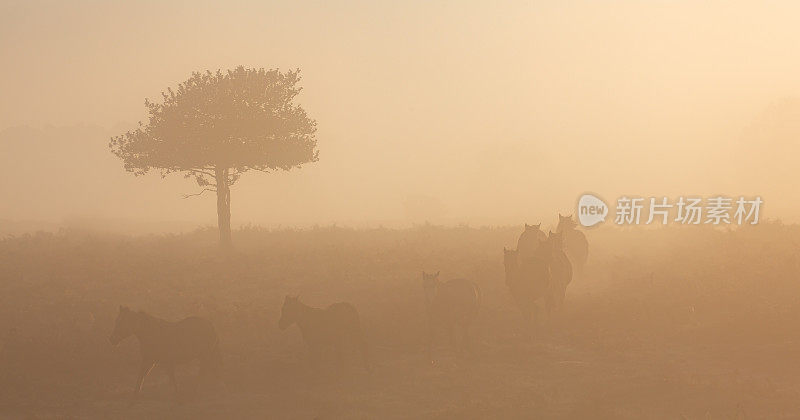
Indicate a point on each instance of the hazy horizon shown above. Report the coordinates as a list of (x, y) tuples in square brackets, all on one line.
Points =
[(448, 112)]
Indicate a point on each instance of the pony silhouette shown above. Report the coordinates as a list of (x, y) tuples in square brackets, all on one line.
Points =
[(168, 343), (326, 329), (450, 305), (529, 280), (575, 244), (529, 240)]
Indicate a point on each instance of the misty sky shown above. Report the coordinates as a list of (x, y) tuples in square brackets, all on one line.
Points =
[(480, 112)]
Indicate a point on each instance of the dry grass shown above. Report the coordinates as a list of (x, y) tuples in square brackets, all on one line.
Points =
[(666, 323)]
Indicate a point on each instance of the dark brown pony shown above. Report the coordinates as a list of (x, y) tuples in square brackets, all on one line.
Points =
[(575, 244), (450, 304), (168, 343), (529, 280), (331, 328), (529, 240)]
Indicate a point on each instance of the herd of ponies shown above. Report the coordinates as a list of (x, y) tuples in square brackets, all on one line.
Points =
[(539, 270)]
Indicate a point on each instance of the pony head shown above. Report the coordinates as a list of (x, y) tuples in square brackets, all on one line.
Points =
[(124, 326), (556, 240), (430, 284), (533, 227), (565, 223)]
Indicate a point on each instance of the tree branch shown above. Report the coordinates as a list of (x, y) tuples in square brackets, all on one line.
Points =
[(204, 190), (200, 171)]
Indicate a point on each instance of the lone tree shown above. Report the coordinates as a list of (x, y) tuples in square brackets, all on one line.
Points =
[(216, 126)]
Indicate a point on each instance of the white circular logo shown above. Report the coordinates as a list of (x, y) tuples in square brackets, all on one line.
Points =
[(591, 210)]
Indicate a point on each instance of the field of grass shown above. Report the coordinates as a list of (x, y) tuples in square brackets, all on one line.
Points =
[(685, 322)]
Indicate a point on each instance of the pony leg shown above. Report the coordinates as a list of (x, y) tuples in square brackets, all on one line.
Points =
[(430, 343), (466, 341), (143, 371), (362, 345), (529, 316), (171, 373), (451, 332), (315, 358), (340, 354), (209, 374), (210, 368), (338, 350)]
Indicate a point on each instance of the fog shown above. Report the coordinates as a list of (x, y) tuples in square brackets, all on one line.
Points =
[(477, 113), (423, 262)]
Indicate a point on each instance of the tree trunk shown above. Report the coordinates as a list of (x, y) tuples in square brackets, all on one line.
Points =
[(223, 207)]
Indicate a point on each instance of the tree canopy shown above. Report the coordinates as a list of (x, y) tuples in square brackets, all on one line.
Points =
[(240, 120)]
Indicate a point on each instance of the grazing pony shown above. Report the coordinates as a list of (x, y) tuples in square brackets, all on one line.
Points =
[(529, 280), (575, 244), (168, 343), (331, 328), (450, 304)]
